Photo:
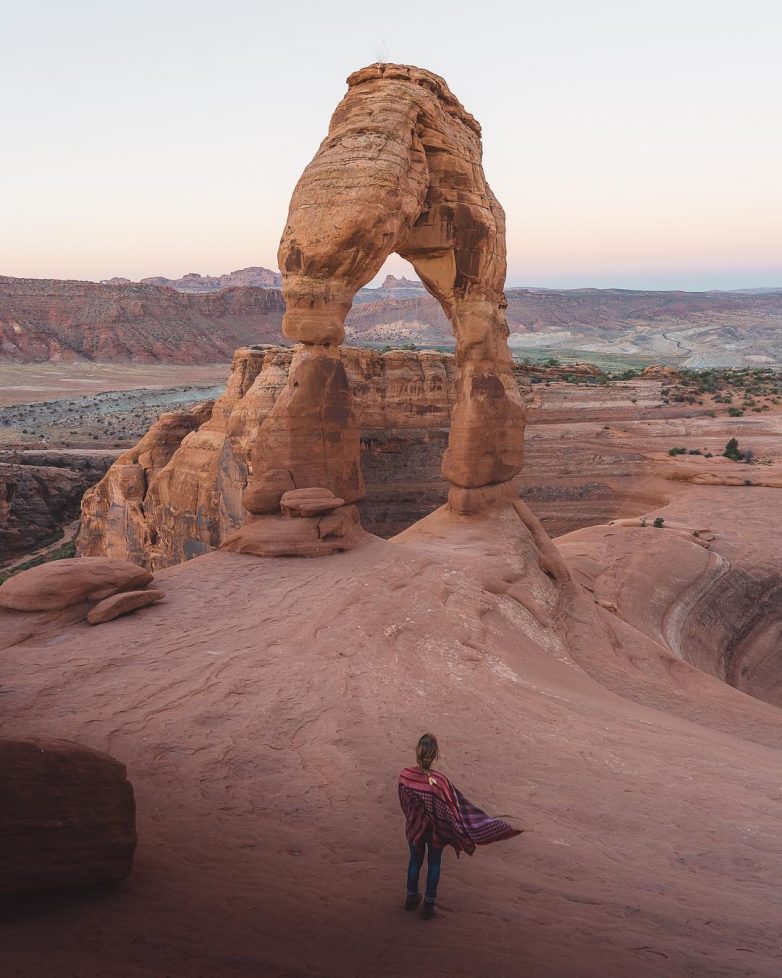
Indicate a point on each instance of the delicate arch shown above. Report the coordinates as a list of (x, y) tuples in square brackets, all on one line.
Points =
[(399, 171)]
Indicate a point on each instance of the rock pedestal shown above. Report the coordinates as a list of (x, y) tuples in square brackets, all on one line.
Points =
[(312, 522), (311, 437)]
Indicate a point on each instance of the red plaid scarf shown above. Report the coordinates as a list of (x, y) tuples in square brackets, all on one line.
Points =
[(437, 812)]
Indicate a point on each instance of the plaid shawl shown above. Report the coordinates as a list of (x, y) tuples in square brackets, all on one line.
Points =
[(438, 812)]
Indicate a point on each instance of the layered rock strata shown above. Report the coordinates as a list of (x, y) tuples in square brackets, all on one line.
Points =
[(399, 171), (44, 319), (179, 492), (40, 492)]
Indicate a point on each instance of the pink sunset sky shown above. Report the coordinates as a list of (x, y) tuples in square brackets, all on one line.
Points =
[(631, 145)]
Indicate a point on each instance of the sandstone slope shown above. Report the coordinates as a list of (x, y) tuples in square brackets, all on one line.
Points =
[(265, 708)]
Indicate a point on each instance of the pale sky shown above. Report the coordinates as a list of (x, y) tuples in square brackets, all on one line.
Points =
[(631, 144)]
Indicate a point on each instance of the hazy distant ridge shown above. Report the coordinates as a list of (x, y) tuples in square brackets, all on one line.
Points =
[(201, 318)]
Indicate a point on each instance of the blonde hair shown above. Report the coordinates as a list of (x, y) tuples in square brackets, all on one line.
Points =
[(427, 751)]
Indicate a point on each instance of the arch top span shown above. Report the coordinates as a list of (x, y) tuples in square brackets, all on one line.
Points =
[(400, 170)]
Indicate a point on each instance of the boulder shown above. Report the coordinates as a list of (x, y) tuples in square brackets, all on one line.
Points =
[(295, 536), (122, 604), (309, 502), (67, 816), (61, 583)]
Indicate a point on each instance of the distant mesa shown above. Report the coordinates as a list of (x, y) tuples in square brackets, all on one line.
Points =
[(253, 277), (48, 320), (391, 282), (203, 319)]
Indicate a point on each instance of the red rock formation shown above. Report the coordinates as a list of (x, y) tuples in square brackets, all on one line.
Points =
[(67, 816), (120, 496), (178, 493), (40, 492), (51, 320), (400, 170), (122, 604), (62, 583)]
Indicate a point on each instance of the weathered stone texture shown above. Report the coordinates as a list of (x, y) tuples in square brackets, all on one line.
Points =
[(399, 171), (179, 492), (62, 583)]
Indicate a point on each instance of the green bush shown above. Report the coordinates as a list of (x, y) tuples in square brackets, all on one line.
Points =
[(659, 522), (732, 451)]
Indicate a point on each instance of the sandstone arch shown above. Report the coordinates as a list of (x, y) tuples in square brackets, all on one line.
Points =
[(399, 171)]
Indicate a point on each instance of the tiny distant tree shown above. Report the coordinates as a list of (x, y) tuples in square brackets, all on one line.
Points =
[(732, 451), (659, 522)]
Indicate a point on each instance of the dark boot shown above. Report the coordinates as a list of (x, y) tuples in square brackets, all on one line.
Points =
[(412, 901), (428, 912)]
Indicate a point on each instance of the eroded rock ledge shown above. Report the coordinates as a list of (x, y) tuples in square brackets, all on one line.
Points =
[(178, 493)]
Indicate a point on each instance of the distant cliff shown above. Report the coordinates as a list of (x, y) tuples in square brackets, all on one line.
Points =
[(202, 319), (51, 320), (691, 329)]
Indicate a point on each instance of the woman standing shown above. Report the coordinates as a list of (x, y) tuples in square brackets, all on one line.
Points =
[(437, 815)]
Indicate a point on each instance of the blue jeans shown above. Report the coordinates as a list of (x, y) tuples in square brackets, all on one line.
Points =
[(432, 870)]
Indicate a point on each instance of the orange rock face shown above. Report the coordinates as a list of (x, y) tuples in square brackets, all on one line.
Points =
[(45, 319), (182, 491), (399, 171)]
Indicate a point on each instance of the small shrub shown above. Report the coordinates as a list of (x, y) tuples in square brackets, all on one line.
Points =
[(735, 412), (677, 450), (659, 522), (732, 451)]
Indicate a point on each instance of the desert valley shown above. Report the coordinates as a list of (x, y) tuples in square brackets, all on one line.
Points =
[(260, 530)]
